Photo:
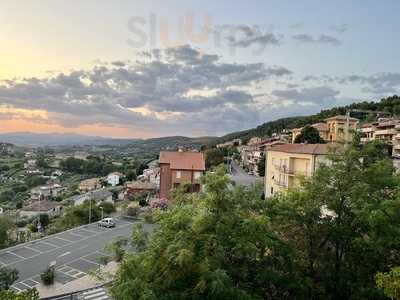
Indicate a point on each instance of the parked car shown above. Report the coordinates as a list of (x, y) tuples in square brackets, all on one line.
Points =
[(106, 222)]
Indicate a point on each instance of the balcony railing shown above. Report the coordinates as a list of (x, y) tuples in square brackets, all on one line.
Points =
[(391, 131), (284, 169)]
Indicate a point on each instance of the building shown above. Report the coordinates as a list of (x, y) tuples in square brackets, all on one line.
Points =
[(284, 164), (37, 208), (114, 178), (46, 192), (179, 167), (135, 187), (321, 127), (337, 127), (90, 185), (100, 195)]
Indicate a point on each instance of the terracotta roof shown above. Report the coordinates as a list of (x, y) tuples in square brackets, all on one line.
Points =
[(388, 123), (320, 126), (316, 149), (183, 160), (41, 206), (341, 118)]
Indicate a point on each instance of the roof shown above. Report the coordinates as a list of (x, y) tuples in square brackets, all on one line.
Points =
[(41, 206), (90, 181), (99, 194), (341, 118), (140, 185), (320, 126), (315, 149), (183, 160), (388, 123)]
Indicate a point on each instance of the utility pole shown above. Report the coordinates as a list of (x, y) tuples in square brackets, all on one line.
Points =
[(90, 210)]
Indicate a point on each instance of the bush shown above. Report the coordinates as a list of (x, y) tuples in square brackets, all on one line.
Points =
[(132, 210), (159, 204), (48, 276)]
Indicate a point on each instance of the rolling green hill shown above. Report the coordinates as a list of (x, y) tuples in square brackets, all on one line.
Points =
[(390, 105)]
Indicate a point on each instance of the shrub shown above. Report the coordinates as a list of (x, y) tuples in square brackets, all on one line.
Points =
[(133, 210), (48, 276), (161, 203)]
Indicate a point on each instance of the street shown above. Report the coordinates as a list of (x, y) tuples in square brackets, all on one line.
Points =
[(74, 252), (239, 176)]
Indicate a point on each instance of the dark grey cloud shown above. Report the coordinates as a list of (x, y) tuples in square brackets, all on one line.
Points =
[(176, 86), (317, 95), (245, 36), (321, 39)]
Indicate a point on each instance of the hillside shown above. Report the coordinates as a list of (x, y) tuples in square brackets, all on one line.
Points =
[(390, 105)]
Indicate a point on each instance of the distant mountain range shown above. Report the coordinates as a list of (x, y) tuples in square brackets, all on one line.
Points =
[(29, 139)]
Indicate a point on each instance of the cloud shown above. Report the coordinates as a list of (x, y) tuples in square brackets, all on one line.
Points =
[(321, 39), (342, 28), (319, 95), (380, 83), (176, 90), (245, 36)]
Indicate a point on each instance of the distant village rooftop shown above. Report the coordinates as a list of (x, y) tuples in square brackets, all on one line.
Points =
[(41, 206)]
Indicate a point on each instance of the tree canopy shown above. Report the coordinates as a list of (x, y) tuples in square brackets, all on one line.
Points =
[(327, 239), (309, 135)]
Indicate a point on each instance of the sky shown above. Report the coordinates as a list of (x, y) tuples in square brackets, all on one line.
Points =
[(140, 69)]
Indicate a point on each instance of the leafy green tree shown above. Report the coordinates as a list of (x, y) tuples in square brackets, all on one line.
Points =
[(6, 225), (116, 248), (390, 283), (309, 135), (212, 245), (31, 294), (214, 157), (261, 166), (7, 277), (343, 224), (35, 181)]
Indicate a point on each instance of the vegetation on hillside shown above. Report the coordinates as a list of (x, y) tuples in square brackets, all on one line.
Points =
[(390, 105)]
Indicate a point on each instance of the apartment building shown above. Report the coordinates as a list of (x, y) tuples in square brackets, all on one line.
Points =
[(337, 127), (286, 163), (180, 167)]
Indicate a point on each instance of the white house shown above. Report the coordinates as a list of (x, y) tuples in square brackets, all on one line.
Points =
[(114, 178)]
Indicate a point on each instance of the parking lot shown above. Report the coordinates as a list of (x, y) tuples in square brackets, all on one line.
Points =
[(74, 252)]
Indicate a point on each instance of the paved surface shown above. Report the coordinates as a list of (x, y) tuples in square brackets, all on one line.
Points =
[(75, 253), (240, 176), (95, 294)]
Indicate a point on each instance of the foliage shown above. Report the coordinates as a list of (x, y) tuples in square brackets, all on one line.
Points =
[(93, 166), (108, 207), (6, 225), (209, 246), (261, 166), (309, 135), (159, 204), (116, 248), (214, 157), (48, 276), (390, 105), (31, 294), (34, 181), (390, 283), (78, 215), (7, 277), (344, 224), (132, 210)]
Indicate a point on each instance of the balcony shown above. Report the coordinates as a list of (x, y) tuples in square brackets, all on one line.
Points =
[(391, 131), (284, 169)]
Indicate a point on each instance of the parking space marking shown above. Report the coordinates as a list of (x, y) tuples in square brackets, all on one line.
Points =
[(60, 238), (50, 244), (12, 253), (76, 234), (37, 251)]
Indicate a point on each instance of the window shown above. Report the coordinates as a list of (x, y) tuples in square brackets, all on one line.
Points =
[(197, 175), (178, 174), (272, 190)]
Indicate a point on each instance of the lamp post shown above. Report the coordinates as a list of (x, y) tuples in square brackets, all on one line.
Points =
[(90, 210)]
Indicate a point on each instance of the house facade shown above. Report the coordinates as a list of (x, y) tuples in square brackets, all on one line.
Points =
[(89, 185), (337, 127), (285, 164), (52, 209), (180, 167), (114, 178)]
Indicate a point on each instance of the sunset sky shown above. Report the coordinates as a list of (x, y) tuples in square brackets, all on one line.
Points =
[(159, 68)]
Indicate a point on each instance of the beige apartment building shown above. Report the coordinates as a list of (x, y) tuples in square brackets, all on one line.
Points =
[(285, 164), (337, 126)]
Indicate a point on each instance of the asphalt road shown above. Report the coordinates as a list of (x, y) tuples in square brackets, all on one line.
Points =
[(75, 252), (241, 177)]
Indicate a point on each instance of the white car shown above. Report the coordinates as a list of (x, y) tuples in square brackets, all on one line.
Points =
[(106, 222)]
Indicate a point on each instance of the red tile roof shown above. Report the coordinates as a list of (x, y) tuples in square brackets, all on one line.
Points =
[(183, 160), (316, 149)]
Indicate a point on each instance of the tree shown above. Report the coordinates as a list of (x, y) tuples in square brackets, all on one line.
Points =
[(6, 225), (214, 157), (309, 135), (261, 166), (116, 248), (341, 223), (7, 277), (31, 294), (209, 246), (390, 283)]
